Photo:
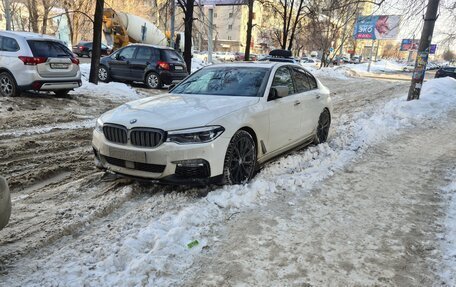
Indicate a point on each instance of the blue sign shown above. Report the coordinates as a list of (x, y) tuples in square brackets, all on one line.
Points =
[(377, 27), (432, 48)]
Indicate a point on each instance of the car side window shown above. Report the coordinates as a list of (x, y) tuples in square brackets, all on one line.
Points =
[(9, 45), (127, 53), (301, 80), (283, 77), (144, 53)]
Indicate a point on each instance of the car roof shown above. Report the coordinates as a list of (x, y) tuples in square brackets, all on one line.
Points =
[(259, 64), (152, 46), (28, 35)]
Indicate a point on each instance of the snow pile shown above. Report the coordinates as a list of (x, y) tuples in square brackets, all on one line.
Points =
[(337, 72), (153, 250), (449, 244), (376, 67), (111, 90), (197, 64)]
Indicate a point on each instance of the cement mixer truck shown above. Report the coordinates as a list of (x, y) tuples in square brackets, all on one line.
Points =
[(121, 29)]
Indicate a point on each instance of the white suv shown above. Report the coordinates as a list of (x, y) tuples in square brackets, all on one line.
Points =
[(37, 62)]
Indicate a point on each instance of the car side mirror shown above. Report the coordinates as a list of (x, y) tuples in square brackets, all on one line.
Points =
[(171, 87), (278, 92)]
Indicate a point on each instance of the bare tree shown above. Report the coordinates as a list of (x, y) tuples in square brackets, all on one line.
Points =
[(96, 45)]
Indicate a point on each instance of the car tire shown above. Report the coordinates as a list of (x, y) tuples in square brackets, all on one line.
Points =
[(61, 93), (8, 86), (240, 159), (324, 122), (153, 81), (103, 74)]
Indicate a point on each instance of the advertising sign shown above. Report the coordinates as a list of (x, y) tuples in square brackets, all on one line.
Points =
[(432, 49), (420, 67), (410, 44), (379, 27)]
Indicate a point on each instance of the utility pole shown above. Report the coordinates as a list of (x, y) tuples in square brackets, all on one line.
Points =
[(96, 46), (423, 50), (7, 14)]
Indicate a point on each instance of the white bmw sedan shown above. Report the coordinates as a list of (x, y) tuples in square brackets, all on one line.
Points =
[(218, 125)]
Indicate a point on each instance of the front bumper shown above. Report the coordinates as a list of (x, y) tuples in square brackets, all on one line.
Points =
[(169, 162)]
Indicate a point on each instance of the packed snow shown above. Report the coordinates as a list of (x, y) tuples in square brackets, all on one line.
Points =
[(113, 90), (151, 250), (449, 244), (336, 72), (376, 67)]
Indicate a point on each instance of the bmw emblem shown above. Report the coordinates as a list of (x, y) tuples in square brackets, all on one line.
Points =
[(133, 121)]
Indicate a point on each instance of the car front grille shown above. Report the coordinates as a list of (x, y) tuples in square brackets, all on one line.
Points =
[(146, 137), (141, 137), (115, 133)]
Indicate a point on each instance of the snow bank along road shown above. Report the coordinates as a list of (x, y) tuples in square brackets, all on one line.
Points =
[(363, 209)]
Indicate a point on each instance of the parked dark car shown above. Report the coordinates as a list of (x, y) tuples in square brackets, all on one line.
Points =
[(153, 65), (446, 72), (85, 49)]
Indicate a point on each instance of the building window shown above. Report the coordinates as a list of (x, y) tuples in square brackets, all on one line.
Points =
[(229, 38), (230, 15), (253, 18), (215, 15), (230, 27)]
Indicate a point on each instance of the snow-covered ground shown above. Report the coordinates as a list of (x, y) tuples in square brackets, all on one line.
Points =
[(142, 238), (379, 66)]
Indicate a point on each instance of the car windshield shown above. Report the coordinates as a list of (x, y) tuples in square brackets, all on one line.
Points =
[(224, 81)]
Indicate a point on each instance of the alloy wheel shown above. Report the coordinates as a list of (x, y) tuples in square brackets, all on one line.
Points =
[(6, 86), (242, 162), (102, 74), (152, 81)]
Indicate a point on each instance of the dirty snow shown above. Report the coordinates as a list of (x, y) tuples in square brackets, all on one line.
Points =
[(143, 246)]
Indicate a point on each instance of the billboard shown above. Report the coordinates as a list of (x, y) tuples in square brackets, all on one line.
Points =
[(378, 27), (410, 44)]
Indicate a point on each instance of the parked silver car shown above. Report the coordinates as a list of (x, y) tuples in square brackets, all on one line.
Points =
[(30, 61), (5, 203)]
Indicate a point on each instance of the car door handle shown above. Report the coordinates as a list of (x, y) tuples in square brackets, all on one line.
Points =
[(297, 103)]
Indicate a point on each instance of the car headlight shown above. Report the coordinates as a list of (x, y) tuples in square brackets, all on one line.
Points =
[(99, 125), (195, 135)]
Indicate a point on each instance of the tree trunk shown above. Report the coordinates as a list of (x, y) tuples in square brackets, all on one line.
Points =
[(70, 25), (96, 46), (33, 15), (188, 34), (249, 31)]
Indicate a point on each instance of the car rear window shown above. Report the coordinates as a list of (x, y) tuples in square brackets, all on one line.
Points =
[(49, 49), (171, 56)]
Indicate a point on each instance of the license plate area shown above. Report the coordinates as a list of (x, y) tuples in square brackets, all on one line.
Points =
[(128, 155), (59, 66), (178, 68)]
